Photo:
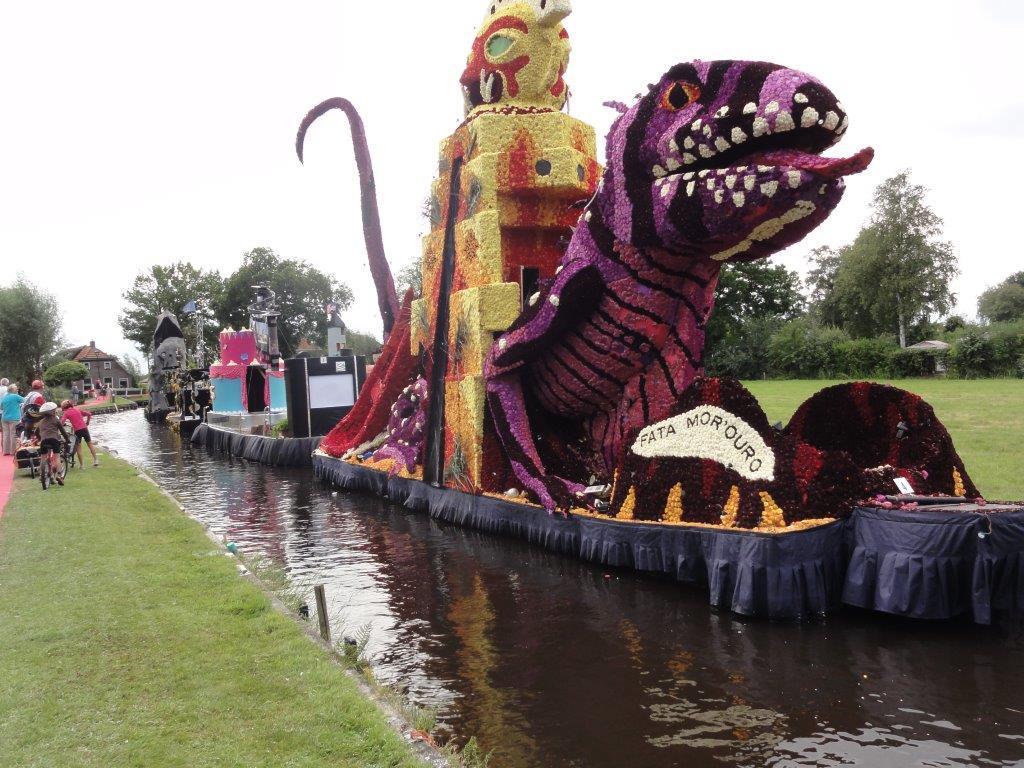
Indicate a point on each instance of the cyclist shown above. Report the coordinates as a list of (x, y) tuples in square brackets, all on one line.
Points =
[(50, 433), (80, 424)]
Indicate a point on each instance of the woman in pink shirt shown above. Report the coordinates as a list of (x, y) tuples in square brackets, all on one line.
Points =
[(80, 424)]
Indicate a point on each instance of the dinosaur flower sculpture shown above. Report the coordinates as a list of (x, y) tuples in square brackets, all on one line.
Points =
[(719, 160)]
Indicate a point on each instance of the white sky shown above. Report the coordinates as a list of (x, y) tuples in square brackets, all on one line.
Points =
[(134, 133)]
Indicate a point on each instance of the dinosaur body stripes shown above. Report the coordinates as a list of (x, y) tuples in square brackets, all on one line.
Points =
[(720, 160)]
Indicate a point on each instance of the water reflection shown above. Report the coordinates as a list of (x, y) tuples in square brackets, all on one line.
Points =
[(553, 662)]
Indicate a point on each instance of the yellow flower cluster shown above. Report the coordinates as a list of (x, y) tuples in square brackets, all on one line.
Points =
[(958, 483), (628, 506), (731, 508), (674, 505), (772, 516)]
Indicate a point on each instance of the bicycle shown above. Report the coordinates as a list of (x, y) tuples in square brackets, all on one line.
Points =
[(47, 472)]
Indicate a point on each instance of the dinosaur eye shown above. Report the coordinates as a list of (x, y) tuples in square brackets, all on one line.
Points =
[(679, 94), (498, 44)]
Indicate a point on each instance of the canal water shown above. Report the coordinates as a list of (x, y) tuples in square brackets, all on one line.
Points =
[(552, 662)]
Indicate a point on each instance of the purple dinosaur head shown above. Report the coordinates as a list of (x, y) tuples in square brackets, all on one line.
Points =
[(722, 160)]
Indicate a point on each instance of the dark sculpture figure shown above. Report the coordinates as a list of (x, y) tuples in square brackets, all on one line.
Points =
[(168, 359)]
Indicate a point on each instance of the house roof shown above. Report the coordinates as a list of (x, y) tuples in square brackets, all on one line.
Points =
[(932, 345), (90, 352)]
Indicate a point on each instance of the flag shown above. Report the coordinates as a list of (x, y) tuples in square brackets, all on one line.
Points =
[(190, 308)]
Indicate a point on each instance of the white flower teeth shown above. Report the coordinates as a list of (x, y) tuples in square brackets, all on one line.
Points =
[(703, 173), (799, 98), (533, 299), (793, 177), (721, 143), (749, 108), (831, 120), (690, 187), (706, 151), (502, 342), (658, 171), (764, 168), (587, 215), (760, 127), (673, 146), (688, 175), (843, 125), (672, 164), (553, 299), (769, 188), (771, 108), (748, 182), (738, 199), (696, 125), (722, 112), (707, 131), (738, 136), (730, 181), (711, 184), (809, 117), (741, 168), (688, 158), (689, 143), (719, 196), (784, 122)]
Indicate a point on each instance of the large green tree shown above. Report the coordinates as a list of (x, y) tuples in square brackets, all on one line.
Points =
[(65, 373), (752, 298), (30, 326), (170, 288), (1005, 301), (895, 275), (302, 291)]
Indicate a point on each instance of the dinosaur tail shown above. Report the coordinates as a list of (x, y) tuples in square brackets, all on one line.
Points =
[(387, 298)]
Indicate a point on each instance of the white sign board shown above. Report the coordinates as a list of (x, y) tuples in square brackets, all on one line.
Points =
[(710, 432), (332, 391)]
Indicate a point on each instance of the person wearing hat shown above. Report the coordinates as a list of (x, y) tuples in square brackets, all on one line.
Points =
[(10, 416), (51, 431), (35, 397)]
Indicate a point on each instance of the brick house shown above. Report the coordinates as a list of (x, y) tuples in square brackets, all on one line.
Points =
[(102, 367)]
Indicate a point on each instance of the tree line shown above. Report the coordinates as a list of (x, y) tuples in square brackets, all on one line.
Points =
[(301, 289), (863, 304)]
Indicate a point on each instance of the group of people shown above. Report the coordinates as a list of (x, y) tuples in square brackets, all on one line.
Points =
[(31, 419)]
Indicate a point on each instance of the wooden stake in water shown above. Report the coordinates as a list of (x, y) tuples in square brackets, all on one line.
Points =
[(321, 612)]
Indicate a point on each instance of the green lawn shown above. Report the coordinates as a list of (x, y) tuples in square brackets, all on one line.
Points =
[(128, 639), (119, 400), (985, 418)]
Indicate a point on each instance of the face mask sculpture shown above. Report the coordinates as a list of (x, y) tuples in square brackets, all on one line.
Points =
[(168, 358), (719, 161), (519, 57)]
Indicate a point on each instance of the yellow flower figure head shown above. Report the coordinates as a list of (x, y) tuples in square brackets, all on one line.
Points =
[(519, 57)]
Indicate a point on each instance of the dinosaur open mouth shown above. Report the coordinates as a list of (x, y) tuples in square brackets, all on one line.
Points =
[(487, 89)]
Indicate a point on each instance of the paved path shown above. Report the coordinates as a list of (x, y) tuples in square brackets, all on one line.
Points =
[(6, 480)]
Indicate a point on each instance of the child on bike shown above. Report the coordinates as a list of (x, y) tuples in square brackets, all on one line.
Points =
[(50, 431), (80, 421)]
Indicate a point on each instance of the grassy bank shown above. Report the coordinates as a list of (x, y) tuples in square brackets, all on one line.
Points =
[(128, 639), (984, 416)]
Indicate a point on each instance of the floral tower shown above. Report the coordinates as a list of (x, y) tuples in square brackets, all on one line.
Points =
[(502, 208)]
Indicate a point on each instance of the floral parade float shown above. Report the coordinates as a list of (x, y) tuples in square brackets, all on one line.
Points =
[(549, 385)]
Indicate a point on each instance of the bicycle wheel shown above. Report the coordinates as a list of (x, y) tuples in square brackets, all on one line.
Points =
[(44, 472), (62, 467)]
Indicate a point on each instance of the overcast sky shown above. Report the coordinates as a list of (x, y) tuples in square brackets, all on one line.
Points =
[(137, 133)]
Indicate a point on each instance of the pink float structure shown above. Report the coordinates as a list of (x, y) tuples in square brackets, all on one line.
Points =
[(243, 379)]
